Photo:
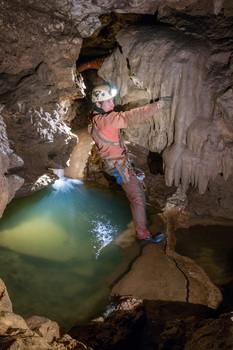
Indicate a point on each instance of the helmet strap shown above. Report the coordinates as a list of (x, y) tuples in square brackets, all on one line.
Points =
[(99, 110)]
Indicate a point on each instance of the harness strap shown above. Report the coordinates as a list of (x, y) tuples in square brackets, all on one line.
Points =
[(103, 140), (121, 173)]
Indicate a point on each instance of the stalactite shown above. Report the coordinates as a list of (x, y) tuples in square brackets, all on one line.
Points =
[(163, 63)]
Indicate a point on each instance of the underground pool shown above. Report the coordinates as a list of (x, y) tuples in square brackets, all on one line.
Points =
[(57, 249), (211, 247)]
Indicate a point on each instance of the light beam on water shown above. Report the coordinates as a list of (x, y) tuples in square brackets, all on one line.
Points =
[(57, 249)]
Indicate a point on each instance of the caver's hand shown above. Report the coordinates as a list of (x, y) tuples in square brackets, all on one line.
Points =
[(164, 102)]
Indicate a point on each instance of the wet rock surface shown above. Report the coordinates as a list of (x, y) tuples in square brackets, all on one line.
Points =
[(42, 140), (158, 325), (195, 134), (33, 333), (133, 323), (9, 183), (79, 156), (150, 277)]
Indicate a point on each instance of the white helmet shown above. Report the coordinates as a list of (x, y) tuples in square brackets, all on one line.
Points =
[(102, 93)]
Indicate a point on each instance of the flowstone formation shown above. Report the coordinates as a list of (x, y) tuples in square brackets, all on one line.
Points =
[(195, 137)]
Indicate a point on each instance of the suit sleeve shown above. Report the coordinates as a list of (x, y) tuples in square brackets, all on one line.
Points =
[(134, 116)]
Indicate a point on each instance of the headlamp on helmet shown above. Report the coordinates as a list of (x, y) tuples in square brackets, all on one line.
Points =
[(103, 93), (113, 92)]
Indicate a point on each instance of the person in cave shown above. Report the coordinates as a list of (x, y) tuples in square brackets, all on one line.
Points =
[(104, 126)]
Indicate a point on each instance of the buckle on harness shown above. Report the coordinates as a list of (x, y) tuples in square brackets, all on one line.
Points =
[(128, 164)]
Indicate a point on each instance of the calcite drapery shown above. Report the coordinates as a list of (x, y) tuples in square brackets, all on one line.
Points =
[(195, 136)]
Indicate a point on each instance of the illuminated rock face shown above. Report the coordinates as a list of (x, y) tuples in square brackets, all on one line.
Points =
[(40, 43), (195, 135), (33, 333), (9, 184), (42, 140), (38, 85)]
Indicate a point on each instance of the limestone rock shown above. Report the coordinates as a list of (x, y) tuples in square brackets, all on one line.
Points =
[(42, 140), (86, 18), (5, 303), (153, 276), (44, 327), (38, 85), (34, 333), (193, 333), (12, 325), (195, 134), (79, 156), (9, 184), (122, 329)]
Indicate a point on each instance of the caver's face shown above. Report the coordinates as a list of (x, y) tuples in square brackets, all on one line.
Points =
[(107, 105)]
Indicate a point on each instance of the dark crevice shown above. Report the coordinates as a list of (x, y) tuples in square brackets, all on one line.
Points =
[(182, 272), (103, 40), (2, 294), (128, 64), (155, 163), (120, 48), (27, 75)]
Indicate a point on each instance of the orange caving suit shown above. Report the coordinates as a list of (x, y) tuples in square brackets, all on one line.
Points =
[(95, 64), (104, 129)]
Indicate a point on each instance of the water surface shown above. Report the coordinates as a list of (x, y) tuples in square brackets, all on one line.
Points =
[(57, 248), (212, 248)]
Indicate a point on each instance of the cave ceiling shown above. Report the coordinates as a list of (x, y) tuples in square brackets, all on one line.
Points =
[(179, 48)]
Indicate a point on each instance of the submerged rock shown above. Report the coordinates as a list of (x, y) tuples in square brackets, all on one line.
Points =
[(34, 333)]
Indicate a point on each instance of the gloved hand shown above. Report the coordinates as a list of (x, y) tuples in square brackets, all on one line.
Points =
[(164, 102)]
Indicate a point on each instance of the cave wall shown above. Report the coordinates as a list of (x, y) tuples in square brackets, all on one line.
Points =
[(196, 135), (40, 43), (9, 184), (38, 85)]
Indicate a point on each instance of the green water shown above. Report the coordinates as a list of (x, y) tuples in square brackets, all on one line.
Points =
[(57, 248), (212, 248)]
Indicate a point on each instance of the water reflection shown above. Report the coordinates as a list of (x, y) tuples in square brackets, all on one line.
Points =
[(57, 248), (103, 234), (211, 247)]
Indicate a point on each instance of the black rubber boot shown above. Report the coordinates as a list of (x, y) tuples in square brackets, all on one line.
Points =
[(153, 239)]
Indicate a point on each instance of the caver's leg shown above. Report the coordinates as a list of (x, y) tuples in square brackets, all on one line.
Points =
[(136, 196), (137, 199)]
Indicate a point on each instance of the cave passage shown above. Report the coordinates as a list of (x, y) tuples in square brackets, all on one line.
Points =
[(211, 247), (57, 248)]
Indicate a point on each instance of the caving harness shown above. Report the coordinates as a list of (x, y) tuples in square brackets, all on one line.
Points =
[(120, 164)]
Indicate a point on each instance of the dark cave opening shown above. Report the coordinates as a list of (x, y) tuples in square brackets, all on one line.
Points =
[(103, 41), (155, 163)]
